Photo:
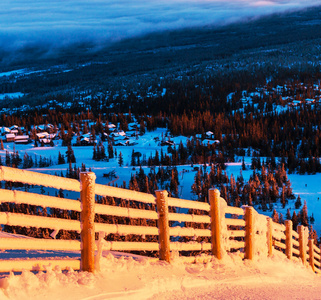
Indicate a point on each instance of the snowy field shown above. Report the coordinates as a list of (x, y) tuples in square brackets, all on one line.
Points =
[(137, 277), (11, 95)]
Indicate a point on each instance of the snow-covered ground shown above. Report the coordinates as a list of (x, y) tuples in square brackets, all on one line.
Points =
[(11, 95), (137, 277)]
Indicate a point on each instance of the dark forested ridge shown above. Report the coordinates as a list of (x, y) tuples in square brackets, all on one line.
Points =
[(259, 46)]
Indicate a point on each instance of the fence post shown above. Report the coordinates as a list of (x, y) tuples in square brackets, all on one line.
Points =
[(269, 236), (215, 214), (163, 225), (302, 247), (288, 239), (311, 254), (249, 232), (87, 218)]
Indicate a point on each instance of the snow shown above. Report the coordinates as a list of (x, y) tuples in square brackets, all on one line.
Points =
[(11, 95), (136, 277)]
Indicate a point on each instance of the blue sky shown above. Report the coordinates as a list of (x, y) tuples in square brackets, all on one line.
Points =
[(61, 22)]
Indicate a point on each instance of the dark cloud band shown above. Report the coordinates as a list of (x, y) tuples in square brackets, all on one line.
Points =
[(61, 22)]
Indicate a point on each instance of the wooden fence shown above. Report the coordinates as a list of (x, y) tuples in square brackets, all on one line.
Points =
[(224, 228)]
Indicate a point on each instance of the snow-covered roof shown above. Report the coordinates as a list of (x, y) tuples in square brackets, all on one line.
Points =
[(21, 137), (42, 134), (10, 136), (211, 142)]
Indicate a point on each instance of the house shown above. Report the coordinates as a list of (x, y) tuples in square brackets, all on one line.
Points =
[(22, 139), (10, 137), (111, 126), (207, 142), (167, 143), (42, 135), (309, 101), (210, 135), (120, 134), (296, 102), (14, 127), (45, 142), (41, 127), (5, 130), (87, 139), (132, 126), (120, 144)]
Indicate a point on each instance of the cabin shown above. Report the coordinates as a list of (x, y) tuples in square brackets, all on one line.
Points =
[(207, 142), (10, 137), (210, 135), (22, 139)]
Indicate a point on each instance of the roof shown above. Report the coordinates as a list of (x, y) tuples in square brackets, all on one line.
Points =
[(42, 134), (22, 137), (211, 142)]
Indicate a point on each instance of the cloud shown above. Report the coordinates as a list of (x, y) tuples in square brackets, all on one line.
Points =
[(59, 23)]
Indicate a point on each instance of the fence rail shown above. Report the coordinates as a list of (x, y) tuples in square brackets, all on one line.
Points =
[(221, 228)]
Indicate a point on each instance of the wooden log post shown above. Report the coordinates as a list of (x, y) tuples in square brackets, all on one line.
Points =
[(288, 239), (249, 233), (163, 225), (269, 236), (302, 247), (87, 219), (215, 214), (311, 254)]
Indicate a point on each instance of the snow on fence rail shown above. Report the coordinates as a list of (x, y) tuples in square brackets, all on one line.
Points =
[(220, 228)]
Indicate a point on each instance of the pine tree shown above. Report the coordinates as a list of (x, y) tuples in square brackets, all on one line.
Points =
[(304, 215), (8, 159), (133, 161), (243, 164), (281, 218), (70, 155), (275, 216), (288, 214), (110, 150), (120, 159), (298, 202), (174, 184), (94, 153), (61, 159)]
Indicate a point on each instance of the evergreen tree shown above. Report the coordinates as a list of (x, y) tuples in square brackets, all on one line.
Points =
[(70, 155), (275, 216), (120, 159), (304, 215), (110, 150), (288, 214), (298, 202), (61, 159)]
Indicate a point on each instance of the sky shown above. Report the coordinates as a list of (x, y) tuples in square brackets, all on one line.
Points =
[(59, 23)]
